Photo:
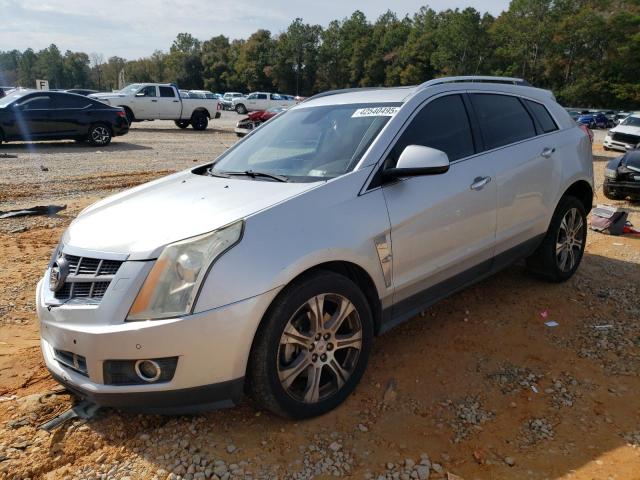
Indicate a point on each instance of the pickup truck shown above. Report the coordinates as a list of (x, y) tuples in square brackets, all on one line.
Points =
[(161, 101), (261, 101)]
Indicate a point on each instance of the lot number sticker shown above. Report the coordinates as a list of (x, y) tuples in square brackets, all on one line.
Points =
[(375, 112)]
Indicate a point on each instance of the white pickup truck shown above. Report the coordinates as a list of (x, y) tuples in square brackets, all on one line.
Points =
[(261, 101), (162, 101)]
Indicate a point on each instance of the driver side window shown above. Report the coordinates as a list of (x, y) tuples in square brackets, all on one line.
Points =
[(36, 103), (148, 92), (442, 124)]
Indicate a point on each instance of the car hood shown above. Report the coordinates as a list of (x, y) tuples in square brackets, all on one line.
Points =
[(139, 222), (628, 129)]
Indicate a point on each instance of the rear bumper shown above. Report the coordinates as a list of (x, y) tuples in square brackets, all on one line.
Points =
[(121, 127)]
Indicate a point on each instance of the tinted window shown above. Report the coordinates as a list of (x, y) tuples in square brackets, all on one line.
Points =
[(36, 103), (70, 101), (262, 96), (543, 116), (252, 96), (442, 124), (166, 92), (503, 119)]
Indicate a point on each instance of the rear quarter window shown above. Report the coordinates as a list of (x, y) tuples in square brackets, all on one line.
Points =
[(503, 119), (542, 115)]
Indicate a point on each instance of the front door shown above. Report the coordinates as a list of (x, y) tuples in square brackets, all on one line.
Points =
[(33, 117), (146, 103), (442, 226)]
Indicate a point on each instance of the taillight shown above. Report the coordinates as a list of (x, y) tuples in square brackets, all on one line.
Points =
[(121, 113), (219, 106), (588, 131)]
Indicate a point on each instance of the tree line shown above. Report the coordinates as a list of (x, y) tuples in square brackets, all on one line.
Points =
[(586, 51)]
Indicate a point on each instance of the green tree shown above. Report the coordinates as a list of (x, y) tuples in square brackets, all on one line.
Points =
[(253, 65), (296, 58), (184, 63)]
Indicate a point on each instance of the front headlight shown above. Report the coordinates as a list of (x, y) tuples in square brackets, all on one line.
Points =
[(172, 285), (610, 173)]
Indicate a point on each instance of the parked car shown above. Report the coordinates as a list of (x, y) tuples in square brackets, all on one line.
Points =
[(261, 101), (81, 91), (625, 136), (203, 94), (227, 99), (619, 117), (593, 120), (622, 177), (255, 119), (43, 115), (270, 269), (5, 90), (158, 101)]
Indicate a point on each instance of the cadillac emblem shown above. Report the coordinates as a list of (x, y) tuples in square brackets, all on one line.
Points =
[(58, 274)]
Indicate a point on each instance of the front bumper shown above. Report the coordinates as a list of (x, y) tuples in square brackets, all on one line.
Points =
[(212, 349), (617, 145), (627, 189)]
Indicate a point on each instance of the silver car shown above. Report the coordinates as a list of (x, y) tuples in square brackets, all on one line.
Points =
[(271, 269)]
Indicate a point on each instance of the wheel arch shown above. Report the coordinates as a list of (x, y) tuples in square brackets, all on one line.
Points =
[(582, 191), (201, 110), (127, 108)]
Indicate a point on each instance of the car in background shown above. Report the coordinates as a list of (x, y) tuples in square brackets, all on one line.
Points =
[(593, 120), (619, 117), (625, 136), (81, 91), (261, 101), (45, 115), (184, 94), (162, 101), (574, 114), (227, 99), (622, 177), (203, 94), (255, 119)]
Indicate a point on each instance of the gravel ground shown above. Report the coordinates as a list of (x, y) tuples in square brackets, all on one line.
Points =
[(476, 387)]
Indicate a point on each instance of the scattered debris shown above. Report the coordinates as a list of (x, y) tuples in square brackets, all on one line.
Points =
[(84, 410), (469, 416), (551, 323), (8, 155), (512, 379), (390, 393), (38, 210), (536, 430), (43, 168)]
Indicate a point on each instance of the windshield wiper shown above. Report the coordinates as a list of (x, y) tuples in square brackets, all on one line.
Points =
[(254, 174), (215, 173)]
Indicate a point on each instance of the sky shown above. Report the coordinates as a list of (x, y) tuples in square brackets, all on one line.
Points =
[(134, 29)]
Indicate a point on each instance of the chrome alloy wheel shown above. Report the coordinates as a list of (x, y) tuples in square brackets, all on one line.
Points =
[(319, 348), (570, 240), (100, 135)]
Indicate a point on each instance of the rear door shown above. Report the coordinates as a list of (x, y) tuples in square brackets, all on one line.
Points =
[(69, 114), (146, 103), (527, 176), (169, 106), (442, 226)]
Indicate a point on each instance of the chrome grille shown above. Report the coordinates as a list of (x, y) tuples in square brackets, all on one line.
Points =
[(88, 278), (626, 138)]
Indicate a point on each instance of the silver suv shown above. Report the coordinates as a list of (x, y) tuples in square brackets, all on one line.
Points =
[(271, 269)]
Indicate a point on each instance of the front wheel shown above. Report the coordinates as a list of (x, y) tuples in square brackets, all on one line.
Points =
[(560, 253), (182, 123), (312, 347), (199, 121), (241, 109), (99, 135)]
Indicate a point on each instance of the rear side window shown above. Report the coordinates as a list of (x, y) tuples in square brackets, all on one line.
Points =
[(543, 116), (262, 96), (167, 92), (442, 124), (503, 119), (71, 101)]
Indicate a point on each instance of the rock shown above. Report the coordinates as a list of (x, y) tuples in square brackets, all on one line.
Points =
[(390, 393), (437, 468), (510, 461), (362, 428), (423, 472), (18, 230), (231, 448), (335, 446)]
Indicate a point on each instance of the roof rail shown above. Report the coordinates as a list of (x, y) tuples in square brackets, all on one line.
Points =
[(475, 79), (341, 90)]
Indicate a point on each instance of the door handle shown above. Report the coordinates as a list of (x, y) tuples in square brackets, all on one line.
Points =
[(479, 183), (547, 152), (154, 101), (176, 101)]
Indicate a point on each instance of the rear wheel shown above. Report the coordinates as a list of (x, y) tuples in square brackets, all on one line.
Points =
[(312, 347), (560, 253), (99, 135), (199, 121), (182, 123), (241, 109)]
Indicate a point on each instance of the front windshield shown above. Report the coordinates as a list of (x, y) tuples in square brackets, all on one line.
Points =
[(131, 89), (632, 121), (310, 144), (12, 97)]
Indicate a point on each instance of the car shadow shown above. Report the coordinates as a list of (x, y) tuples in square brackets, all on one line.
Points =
[(179, 131), (67, 146)]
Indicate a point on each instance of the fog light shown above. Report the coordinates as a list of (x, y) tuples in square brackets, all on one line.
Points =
[(148, 370)]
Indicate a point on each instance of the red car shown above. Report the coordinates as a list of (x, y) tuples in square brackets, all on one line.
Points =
[(255, 119)]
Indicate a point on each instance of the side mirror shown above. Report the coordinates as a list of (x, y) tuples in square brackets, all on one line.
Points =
[(140, 94), (417, 160)]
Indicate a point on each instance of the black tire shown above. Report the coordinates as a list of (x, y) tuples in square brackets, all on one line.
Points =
[(241, 109), (199, 121), (546, 261), (266, 359), (130, 116), (611, 194), (99, 135), (182, 123)]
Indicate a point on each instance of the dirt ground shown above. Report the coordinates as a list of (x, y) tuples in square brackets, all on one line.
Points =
[(475, 388)]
